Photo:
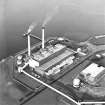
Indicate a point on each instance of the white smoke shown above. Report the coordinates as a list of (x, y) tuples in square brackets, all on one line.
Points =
[(50, 15), (31, 27)]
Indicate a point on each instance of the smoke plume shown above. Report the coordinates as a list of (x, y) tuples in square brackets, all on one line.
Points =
[(31, 27), (50, 15)]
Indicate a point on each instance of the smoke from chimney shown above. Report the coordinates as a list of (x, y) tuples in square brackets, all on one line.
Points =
[(31, 27), (50, 15)]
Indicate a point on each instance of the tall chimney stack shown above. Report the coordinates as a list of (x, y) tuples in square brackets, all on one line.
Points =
[(43, 35), (29, 46)]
